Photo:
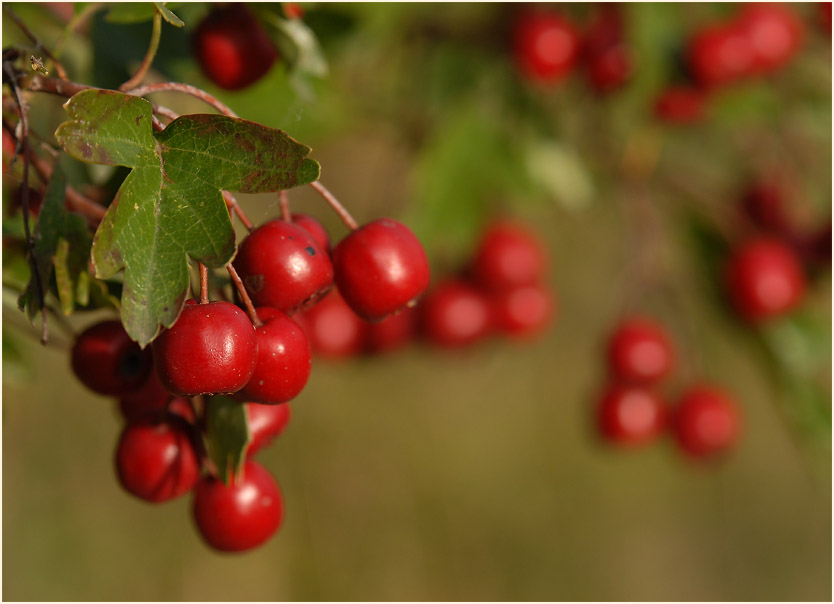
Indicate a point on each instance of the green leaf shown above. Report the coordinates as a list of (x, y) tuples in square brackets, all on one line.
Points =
[(55, 229), (170, 207), (227, 435), (168, 15)]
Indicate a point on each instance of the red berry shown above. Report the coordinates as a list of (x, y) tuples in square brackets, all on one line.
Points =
[(156, 459), (392, 333), (241, 516), (508, 255), (107, 361), (455, 314), (150, 396), (523, 312), (545, 46), (764, 204), (639, 351), (720, 55), (283, 365), (706, 422), (608, 60), (232, 48), (315, 228), (630, 415), (774, 32), (266, 422), (333, 329), (211, 349), (765, 279), (380, 268), (283, 266), (680, 105), (824, 16)]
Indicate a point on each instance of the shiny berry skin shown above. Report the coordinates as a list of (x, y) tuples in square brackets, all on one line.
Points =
[(283, 365), (774, 32), (392, 333), (241, 516), (455, 314), (545, 46), (283, 266), (719, 55), (266, 422), (232, 48), (107, 361), (523, 312), (765, 279), (315, 228), (640, 352), (380, 268), (211, 349), (333, 329), (508, 255), (630, 415), (706, 422), (680, 105), (156, 459)]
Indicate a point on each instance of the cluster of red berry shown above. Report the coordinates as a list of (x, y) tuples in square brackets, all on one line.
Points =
[(631, 411), (160, 455)]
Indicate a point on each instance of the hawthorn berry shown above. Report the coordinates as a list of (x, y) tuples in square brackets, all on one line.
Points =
[(455, 314), (706, 421), (380, 268), (680, 105), (720, 54), (240, 516), (266, 422), (107, 361), (333, 329), (315, 228), (232, 48), (774, 32), (630, 415), (392, 333), (211, 349), (523, 312), (156, 459), (545, 46), (608, 62), (283, 266), (150, 396), (283, 360), (508, 255), (639, 351), (765, 279)]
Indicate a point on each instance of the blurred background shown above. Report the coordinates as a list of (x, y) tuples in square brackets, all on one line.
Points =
[(477, 473)]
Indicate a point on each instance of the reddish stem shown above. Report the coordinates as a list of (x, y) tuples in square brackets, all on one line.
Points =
[(284, 200), (344, 215), (232, 204), (185, 89), (203, 283), (244, 296)]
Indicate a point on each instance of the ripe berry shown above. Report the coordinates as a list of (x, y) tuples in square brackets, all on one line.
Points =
[(545, 46), (706, 422), (283, 365), (639, 351), (630, 415), (680, 105), (764, 204), (315, 228), (774, 32), (107, 361), (607, 58), (333, 329), (455, 314), (765, 279), (241, 516), (232, 48), (211, 349), (283, 266), (156, 459), (380, 268), (266, 422), (523, 312), (150, 396), (508, 255), (392, 333), (719, 55)]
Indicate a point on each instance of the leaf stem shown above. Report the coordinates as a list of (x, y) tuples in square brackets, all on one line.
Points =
[(244, 296), (203, 283), (284, 200), (145, 65), (232, 204), (185, 89), (337, 207), (28, 33)]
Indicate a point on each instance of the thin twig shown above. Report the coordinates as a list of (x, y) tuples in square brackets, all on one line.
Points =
[(344, 215), (284, 200), (185, 89), (233, 205), (145, 65), (203, 283), (244, 296), (58, 67), (93, 212)]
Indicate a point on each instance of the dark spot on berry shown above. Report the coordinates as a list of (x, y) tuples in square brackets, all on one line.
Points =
[(309, 249)]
